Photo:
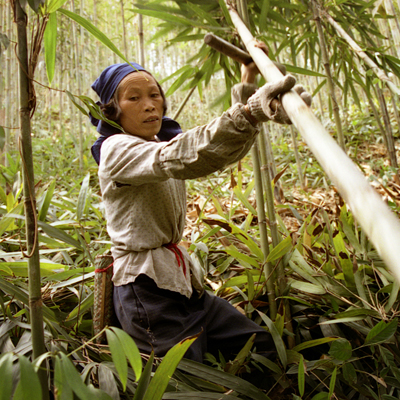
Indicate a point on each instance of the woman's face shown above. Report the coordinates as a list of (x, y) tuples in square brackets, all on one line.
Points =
[(142, 105)]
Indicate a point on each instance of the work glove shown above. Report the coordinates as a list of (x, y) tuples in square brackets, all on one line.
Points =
[(265, 104)]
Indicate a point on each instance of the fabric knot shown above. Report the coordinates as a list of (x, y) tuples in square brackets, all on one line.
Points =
[(178, 255)]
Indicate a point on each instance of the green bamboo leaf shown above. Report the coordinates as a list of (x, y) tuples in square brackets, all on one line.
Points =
[(348, 230), (6, 269), (242, 257), (118, 357), (63, 389), (35, 4), (306, 287), (301, 377), (349, 373), (82, 198), (81, 308), (321, 396), (332, 383), (341, 349), (166, 369), (2, 138), (345, 262), (280, 346), (363, 312), (244, 200), (169, 17), (6, 373), (70, 373), (54, 5), (222, 378), (131, 351), (267, 363), (225, 11), (59, 234), (381, 332), (263, 16), (50, 42), (144, 379), (196, 10), (9, 218), (280, 250), (46, 202), (302, 71), (93, 30), (29, 387), (312, 343)]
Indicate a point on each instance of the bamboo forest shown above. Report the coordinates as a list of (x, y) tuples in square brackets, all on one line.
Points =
[(300, 236)]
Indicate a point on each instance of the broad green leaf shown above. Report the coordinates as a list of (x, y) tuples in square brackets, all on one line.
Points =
[(349, 373), (306, 287), (301, 377), (312, 343), (280, 346), (239, 194), (242, 257), (321, 396), (2, 138), (280, 250), (357, 312), (7, 221), (63, 390), (93, 30), (46, 202), (341, 349), (118, 357), (6, 373), (6, 269), (303, 71), (381, 332), (82, 198), (166, 369), (50, 43), (29, 387), (35, 4), (267, 363), (131, 351)]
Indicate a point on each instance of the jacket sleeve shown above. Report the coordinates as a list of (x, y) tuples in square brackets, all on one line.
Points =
[(195, 153)]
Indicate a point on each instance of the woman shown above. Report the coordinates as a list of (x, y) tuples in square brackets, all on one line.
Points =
[(158, 297)]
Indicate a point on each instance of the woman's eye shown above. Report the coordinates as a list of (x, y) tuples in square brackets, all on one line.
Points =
[(134, 97), (155, 95)]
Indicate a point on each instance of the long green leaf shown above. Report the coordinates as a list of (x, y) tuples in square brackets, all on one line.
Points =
[(93, 30), (54, 5), (82, 198), (144, 379), (301, 377), (118, 357), (166, 369), (332, 383), (59, 234), (2, 138), (312, 343), (131, 351), (6, 373), (50, 42), (46, 202), (29, 387), (280, 250), (81, 308)]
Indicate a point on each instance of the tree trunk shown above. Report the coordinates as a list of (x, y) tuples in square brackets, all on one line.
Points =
[(35, 297)]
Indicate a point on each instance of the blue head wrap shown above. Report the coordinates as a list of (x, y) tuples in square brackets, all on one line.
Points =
[(105, 86)]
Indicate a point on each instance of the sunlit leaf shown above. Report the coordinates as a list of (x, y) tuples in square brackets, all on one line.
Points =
[(280, 250), (50, 42), (82, 198), (118, 357)]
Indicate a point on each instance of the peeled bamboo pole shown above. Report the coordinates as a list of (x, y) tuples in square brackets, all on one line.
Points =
[(378, 222)]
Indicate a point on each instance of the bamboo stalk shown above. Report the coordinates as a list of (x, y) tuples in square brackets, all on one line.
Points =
[(363, 200), (331, 85), (297, 157), (141, 40), (34, 284)]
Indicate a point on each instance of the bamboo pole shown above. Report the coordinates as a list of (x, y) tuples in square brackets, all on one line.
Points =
[(297, 157), (141, 40), (364, 202), (34, 282)]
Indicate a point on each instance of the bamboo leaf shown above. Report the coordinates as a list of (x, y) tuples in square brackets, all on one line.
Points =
[(81, 308), (312, 343), (301, 377), (144, 379), (341, 349), (59, 234), (6, 373), (2, 138), (280, 346), (166, 369), (50, 42), (54, 5), (29, 387), (280, 250), (35, 4), (381, 332), (93, 30), (345, 262), (168, 17), (302, 71), (349, 373), (46, 202), (82, 198), (332, 383), (267, 363), (118, 357), (131, 351), (306, 287)]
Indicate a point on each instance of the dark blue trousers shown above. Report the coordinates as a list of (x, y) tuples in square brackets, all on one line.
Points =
[(157, 319)]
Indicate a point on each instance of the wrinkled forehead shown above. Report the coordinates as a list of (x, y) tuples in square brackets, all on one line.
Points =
[(137, 80)]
